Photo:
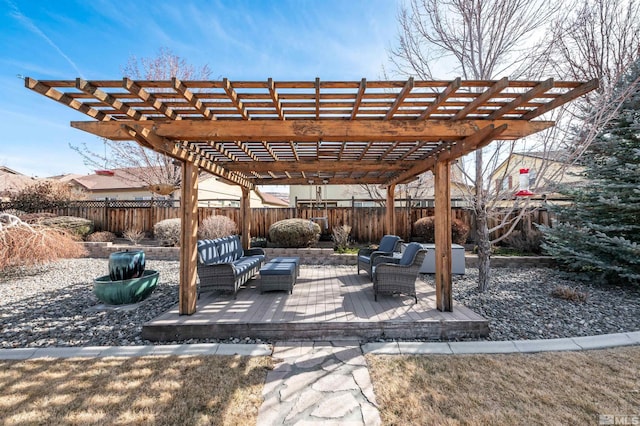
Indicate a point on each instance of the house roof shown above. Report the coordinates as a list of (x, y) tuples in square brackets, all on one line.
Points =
[(12, 181), (121, 179), (271, 199)]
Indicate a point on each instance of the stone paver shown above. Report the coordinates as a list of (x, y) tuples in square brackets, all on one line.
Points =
[(318, 383)]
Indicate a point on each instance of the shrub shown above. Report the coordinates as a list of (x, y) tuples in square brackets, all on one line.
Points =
[(14, 212), (569, 293), (217, 227), (528, 241), (101, 237), (35, 217), (341, 237), (167, 232), (42, 195), (135, 235), (424, 229), (22, 244), (294, 233), (78, 226)]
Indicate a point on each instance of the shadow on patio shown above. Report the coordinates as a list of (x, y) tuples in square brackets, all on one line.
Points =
[(328, 303)]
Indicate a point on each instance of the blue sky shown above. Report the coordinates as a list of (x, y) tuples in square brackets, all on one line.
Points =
[(240, 40)]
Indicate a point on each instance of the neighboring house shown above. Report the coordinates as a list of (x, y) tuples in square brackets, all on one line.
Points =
[(12, 182), (547, 170), (121, 184), (344, 195)]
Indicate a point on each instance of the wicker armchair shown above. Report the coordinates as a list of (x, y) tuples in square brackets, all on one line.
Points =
[(398, 275), (366, 256)]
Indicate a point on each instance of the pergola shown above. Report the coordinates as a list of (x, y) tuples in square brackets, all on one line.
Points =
[(300, 132)]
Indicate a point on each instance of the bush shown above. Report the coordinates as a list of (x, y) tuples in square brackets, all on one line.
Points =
[(294, 233), (42, 195), (35, 217), (22, 244), (217, 227), (167, 232), (528, 241), (424, 230), (101, 237), (78, 226), (134, 235), (341, 237), (569, 293)]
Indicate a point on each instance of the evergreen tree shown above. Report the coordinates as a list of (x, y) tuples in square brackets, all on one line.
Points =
[(599, 233)]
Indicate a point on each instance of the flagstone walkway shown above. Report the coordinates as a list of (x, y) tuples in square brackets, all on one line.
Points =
[(326, 383)]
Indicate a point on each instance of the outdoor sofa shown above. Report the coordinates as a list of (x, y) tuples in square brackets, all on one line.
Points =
[(366, 256), (224, 266)]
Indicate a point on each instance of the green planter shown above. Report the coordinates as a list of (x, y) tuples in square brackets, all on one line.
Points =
[(125, 291), (124, 265)]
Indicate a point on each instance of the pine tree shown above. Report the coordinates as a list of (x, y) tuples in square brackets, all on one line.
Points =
[(599, 233)]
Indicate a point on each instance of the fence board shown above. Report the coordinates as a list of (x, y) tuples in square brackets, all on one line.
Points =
[(367, 223)]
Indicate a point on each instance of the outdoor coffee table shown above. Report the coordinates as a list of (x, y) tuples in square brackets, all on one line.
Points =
[(277, 276), (292, 259)]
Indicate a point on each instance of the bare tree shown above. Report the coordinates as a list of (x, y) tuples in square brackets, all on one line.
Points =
[(420, 188), (479, 39), (148, 166)]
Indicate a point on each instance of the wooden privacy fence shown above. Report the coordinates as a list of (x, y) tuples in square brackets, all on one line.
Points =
[(367, 223)]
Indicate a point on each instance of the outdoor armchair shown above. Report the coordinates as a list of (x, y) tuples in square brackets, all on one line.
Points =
[(388, 245), (398, 275)]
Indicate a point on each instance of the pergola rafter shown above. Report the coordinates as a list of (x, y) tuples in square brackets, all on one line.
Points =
[(293, 132)]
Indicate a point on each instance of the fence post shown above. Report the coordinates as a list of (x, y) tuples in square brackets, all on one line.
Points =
[(106, 214)]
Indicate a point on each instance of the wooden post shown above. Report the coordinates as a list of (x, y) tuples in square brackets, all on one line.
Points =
[(106, 215), (390, 216), (245, 217), (443, 236), (188, 293)]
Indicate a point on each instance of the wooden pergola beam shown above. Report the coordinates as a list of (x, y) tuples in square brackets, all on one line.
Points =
[(496, 88), (460, 149), (193, 100), (314, 130), (522, 99), (304, 180), (563, 99), (178, 151), (108, 99), (401, 96), (149, 99), (64, 99), (310, 165), (442, 97)]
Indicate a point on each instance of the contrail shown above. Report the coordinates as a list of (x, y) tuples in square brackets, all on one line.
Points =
[(33, 28)]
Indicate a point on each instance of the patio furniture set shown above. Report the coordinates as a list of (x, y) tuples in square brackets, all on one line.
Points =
[(224, 266)]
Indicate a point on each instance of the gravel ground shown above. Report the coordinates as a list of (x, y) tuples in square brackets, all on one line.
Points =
[(54, 305)]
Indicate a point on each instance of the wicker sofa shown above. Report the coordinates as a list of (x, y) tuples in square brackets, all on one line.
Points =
[(224, 266)]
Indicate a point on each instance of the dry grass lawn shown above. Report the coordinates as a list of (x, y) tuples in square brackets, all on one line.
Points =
[(567, 388), (125, 391)]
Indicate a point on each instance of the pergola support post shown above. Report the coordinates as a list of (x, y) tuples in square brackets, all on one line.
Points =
[(443, 280), (245, 217), (188, 293), (390, 213)]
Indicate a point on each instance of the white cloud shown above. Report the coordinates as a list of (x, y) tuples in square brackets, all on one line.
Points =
[(31, 26)]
